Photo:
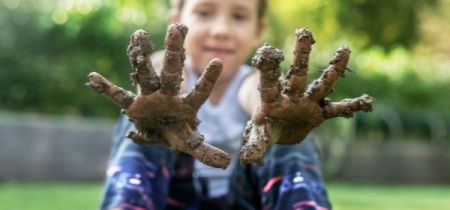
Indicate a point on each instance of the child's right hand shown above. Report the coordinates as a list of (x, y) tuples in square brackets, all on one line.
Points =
[(160, 113)]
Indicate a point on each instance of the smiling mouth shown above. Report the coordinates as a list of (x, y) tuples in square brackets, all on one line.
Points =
[(218, 51)]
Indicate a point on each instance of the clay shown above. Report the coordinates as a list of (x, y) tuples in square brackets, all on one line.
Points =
[(287, 114), (160, 113)]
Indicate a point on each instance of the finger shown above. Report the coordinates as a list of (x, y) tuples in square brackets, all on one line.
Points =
[(298, 73), (267, 60), (173, 61), (195, 146), (202, 89), (138, 52), (143, 139), (116, 94), (255, 145), (347, 107), (138, 138), (210, 155), (322, 87), (258, 139)]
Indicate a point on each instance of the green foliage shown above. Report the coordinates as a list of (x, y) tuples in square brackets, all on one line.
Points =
[(367, 23), (386, 23), (398, 79), (48, 47)]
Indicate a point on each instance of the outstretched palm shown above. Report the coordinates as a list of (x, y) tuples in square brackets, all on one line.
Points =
[(160, 113), (287, 113)]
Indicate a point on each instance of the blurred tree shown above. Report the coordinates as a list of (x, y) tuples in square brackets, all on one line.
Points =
[(48, 47), (434, 30), (381, 22), (366, 22)]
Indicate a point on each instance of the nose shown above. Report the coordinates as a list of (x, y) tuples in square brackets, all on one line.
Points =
[(221, 28)]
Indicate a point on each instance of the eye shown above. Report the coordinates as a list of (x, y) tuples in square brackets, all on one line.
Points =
[(204, 13), (240, 16)]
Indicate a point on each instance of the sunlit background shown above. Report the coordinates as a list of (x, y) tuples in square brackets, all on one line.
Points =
[(54, 132)]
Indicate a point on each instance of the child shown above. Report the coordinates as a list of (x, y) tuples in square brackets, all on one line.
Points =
[(151, 177)]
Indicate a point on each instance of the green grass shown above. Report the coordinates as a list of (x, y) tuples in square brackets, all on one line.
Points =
[(68, 196), (389, 197), (50, 196)]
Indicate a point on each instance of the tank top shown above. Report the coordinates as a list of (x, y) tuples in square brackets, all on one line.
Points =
[(222, 126)]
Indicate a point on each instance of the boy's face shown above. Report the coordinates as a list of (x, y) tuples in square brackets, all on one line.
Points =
[(228, 30)]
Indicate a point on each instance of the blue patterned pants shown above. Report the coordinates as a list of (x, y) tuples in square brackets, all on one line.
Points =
[(153, 178)]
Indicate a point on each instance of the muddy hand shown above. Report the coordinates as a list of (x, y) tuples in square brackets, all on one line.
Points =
[(160, 113), (287, 113)]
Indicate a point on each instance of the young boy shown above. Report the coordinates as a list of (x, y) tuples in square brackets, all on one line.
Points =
[(151, 177)]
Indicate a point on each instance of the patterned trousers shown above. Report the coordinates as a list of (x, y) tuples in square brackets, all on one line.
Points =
[(153, 178)]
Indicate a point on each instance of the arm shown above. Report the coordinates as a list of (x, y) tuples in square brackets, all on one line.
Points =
[(249, 97), (287, 113)]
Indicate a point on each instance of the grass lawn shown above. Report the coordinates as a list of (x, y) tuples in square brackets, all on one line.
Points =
[(49, 196), (68, 196), (389, 197)]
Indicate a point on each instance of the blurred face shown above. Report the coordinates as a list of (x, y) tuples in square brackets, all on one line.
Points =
[(224, 29)]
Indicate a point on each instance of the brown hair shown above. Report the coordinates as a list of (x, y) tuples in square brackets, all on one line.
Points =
[(262, 6)]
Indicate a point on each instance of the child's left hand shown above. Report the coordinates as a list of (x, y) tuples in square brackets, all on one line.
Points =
[(287, 114)]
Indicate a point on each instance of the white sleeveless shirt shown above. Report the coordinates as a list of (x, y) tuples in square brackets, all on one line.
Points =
[(222, 126)]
